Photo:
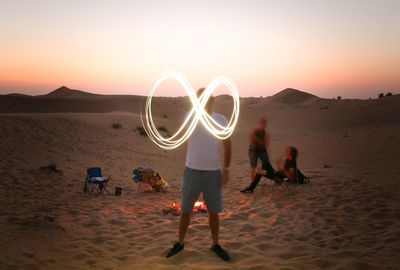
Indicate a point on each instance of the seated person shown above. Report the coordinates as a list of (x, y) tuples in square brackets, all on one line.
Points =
[(288, 170)]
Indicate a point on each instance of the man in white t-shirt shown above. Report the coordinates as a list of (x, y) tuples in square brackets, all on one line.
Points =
[(203, 174)]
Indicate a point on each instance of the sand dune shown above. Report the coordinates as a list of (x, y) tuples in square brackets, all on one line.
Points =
[(65, 92), (292, 96), (348, 218)]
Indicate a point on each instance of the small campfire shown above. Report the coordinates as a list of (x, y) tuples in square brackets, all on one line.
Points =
[(175, 208), (199, 206)]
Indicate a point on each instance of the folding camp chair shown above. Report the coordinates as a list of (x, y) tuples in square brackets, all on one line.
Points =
[(149, 180), (298, 179), (95, 183), (145, 178), (287, 183), (292, 183)]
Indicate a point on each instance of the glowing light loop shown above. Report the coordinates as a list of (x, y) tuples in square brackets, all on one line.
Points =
[(196, 114)]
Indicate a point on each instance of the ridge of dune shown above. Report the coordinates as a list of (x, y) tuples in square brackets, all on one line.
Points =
[(292, 96), (18, 95), (65, 92), (287, 104)]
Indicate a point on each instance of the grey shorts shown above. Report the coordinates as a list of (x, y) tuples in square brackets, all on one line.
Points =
[(206, 182), (255, 154)]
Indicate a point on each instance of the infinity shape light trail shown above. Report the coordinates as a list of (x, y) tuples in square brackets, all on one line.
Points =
[(196, 114)]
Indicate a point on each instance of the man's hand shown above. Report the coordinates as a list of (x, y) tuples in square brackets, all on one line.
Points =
[(227, 161), (224, 177)]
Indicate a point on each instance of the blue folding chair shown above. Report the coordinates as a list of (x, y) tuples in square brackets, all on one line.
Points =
[(95, 183)]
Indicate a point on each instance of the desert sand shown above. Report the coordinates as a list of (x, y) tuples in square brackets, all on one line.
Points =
[(347, 218)]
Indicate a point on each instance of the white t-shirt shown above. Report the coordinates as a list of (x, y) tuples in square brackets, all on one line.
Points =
[(203, 150)]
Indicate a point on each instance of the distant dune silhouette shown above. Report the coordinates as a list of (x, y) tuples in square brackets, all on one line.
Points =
[(292, 96), (279, 106), (65, 92)]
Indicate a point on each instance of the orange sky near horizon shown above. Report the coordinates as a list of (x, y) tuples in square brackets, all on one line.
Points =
[(348, 48)]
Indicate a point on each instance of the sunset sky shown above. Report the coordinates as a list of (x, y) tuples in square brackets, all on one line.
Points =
[(328, 48)]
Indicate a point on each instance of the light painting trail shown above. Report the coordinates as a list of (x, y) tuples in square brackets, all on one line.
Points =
[(196, 114)]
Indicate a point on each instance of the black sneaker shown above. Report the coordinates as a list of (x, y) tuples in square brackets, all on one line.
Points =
[(220, 252), (175, 249), (246, 190)]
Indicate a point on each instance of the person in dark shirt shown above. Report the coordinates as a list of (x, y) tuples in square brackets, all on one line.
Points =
[(288, 170), (259, 139)]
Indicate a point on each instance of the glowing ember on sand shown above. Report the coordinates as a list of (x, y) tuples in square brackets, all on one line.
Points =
[(199, 206), (175, 208)]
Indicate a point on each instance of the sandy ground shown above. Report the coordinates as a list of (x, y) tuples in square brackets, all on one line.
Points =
[(347, 218)]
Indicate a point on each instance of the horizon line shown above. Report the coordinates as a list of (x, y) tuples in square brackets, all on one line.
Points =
[(179, 96)]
